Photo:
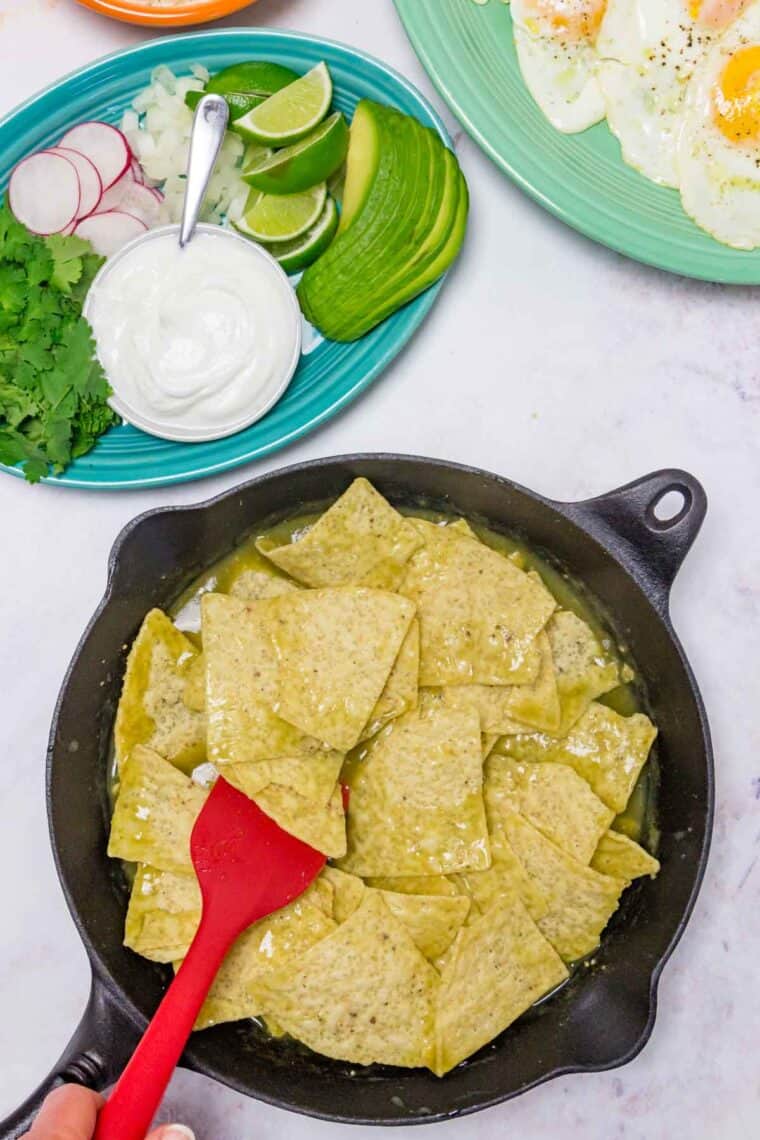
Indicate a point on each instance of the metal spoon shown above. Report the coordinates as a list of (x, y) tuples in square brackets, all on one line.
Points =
[(209, 125)]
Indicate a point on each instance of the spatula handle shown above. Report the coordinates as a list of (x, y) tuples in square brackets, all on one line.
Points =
[(129, 1111)]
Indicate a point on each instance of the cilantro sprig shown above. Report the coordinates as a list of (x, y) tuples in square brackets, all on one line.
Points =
[(53, 391)]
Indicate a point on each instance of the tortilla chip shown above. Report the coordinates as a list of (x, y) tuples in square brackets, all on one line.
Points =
[(152, 709), (487, 741), (256, 585), (583, 667), (417, 798), (312, 777), (400, 692), (608, 750), (552, 797), (506, 875), (265, 948), (360, 541), (623, 858), (335, 650), (156, 809), (479, 614), (508, 709), (414, 884), (348, 892), (501, 964), (581, 901), (432, 920), (321, 826), (241, 685), (365, 994), (194, 695), (163, 914)]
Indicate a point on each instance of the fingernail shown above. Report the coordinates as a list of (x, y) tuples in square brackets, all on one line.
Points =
[(177, 1132)]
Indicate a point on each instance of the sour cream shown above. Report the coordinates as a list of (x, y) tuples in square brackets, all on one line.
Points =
[(197, 343)]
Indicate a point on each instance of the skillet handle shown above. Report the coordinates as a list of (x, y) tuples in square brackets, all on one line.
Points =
[(96, 1054), (651, 546)]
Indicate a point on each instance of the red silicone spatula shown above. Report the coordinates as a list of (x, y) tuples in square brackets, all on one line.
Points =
[(247, 867)]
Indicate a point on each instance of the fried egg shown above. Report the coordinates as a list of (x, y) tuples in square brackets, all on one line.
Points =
[(555, 47), (719, 145), (648, 51)]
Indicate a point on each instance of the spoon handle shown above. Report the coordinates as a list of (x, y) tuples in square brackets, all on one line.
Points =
[(209, 125)]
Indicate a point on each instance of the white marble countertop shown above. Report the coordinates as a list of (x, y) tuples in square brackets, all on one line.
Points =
[(554, 362)]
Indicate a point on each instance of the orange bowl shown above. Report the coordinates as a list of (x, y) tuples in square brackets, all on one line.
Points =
[(135, 12)]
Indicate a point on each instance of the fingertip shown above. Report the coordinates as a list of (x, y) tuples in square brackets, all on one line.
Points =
[(173, 1132)]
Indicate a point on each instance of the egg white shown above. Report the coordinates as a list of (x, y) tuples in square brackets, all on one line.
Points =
[(559, 72), (720, 178)]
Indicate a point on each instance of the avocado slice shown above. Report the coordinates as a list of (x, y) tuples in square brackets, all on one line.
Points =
[(407, 205)]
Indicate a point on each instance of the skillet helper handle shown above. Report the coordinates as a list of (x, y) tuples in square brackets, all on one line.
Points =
[(129, 1111), (652, 542)]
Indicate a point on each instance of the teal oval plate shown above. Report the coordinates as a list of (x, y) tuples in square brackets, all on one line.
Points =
[(329, 377), (468, 51)]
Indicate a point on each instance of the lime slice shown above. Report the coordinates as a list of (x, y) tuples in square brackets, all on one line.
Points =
[(302, 251), (281, 217), (239, 102), (291, 113), (303, 164), (255, 76)]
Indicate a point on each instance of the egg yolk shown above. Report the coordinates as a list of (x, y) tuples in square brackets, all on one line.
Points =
[(736, 97), (573, 20), (715, 13)]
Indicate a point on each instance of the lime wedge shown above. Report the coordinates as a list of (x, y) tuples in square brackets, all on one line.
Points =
[(256, 77), (281, 217), (302, 251), (291, 113), (303, 164)]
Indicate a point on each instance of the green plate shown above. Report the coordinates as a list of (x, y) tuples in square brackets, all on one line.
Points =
[(469, 54), (330, 375)]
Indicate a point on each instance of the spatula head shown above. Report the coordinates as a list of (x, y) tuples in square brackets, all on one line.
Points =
[(246, 864)]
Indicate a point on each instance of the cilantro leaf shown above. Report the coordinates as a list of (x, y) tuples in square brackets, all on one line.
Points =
[(53, 391)]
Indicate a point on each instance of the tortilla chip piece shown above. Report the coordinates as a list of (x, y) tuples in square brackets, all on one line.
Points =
[(623, 858), (432, 920), (400, 692), (510, 709), (414, 884), (256, 585), (479, 614), (487, 741), (359, 541), (194, 695), (163, 914), (506, 875), (500, 965), (312, 777), (348, 892), (335, 651), (583, 668), (581, 901), (321, 826), (264, 948), (241, 685), (152, 708), (156, 809), (608, 750), (417, 798), (365, 994), (552, 797)]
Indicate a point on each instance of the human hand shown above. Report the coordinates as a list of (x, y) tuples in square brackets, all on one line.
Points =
[(70, 1113)]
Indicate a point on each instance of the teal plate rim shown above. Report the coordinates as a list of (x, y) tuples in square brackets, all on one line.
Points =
[(328, 379), (458, 44)]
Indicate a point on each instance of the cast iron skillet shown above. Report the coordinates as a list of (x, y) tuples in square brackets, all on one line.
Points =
[(627, 558)]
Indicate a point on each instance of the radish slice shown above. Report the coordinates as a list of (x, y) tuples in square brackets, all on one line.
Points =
[(90, 186), (137, 172), (109, 232), (44, 193), (104, 145), (114, 196), (142, 202)]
